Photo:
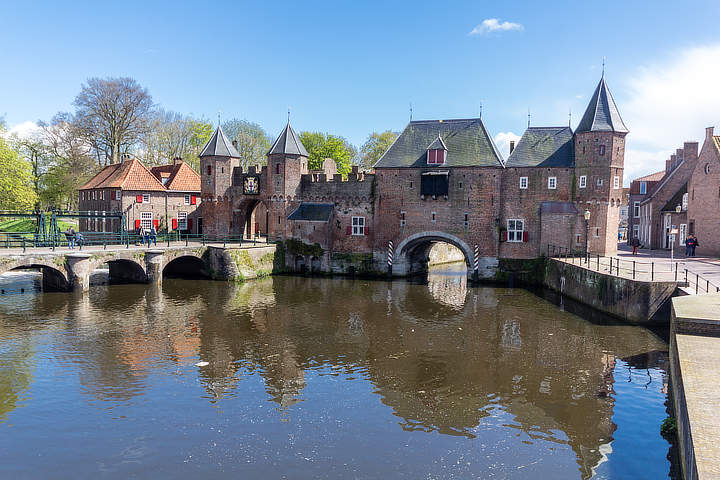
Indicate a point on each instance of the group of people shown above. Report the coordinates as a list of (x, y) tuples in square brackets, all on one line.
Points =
[(691, 243), (73, 238), (147, 235)]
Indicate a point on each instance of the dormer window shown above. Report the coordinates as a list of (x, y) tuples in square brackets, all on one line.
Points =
[(437, 152)]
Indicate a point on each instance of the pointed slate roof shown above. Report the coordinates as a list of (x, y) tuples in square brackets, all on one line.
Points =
[(288, 143), (602, 114), (438, 144), (467, 141), (219, 146), (543, 147)]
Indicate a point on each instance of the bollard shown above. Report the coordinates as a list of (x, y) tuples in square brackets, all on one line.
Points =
[(186, 240), (633, 269), (686, 275), (598, 263), (610, 265), (618, 267), (652, 271), (697, 279), (707, 287), (676, 264)]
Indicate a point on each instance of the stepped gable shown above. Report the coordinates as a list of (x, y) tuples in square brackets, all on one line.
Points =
[(288, 143), (219, 146), (602, 114), (127, 175), (467, 142), (180, 177), (543, 147)]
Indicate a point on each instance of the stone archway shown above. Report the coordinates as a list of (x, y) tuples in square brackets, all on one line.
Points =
[(411, 255)]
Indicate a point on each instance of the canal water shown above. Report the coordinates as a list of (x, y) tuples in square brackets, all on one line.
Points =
[(289, 377)]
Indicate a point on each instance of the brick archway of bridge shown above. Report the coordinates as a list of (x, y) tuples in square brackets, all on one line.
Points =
[(412, 253)]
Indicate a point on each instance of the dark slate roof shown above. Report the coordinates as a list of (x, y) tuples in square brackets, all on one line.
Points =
[(558, 208), (675, 200), (543, 147), (602, 114), (288, 143), (467, 141), (438, 144), (219, 146), (313, 212)]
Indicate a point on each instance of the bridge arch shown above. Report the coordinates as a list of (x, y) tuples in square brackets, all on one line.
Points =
[(186, 266), (54, 277), (412, 254), (124, 270)]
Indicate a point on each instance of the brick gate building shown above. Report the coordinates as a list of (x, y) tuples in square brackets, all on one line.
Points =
[(440, 181)]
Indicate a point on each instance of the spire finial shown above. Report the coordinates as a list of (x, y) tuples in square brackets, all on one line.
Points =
[(480, 108), (411, 112), (288, 114), (219, 117), (528, 118), (569, 116), (603, 71)]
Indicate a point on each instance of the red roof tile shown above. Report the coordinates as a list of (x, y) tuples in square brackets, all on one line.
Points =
[(128, 175), (180, 177)]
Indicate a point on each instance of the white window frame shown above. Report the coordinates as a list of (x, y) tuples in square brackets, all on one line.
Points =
[(583, 181), (616, 182), (684, 202), (552, 183), (636, 209), (146, 220), (599, 182), (358, 226), (523, 183), (146, 197), (682, 232), (515, 234), (187, 200), (182, 221), (643, 188), (118, 194), (94, 194)]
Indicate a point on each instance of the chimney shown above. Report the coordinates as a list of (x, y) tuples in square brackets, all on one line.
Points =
[(177, 160), (512, 145), (709, 133), (690, 151), (668, 166), (234, 142)]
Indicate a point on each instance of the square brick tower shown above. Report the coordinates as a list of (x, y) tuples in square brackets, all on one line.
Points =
[(287, 163), (217, 161), (599, 163)]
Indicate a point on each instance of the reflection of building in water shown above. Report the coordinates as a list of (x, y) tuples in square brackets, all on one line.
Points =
[(447, 287), (17, 362)]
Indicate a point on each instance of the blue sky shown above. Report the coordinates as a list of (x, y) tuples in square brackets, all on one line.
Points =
[(351, 68)]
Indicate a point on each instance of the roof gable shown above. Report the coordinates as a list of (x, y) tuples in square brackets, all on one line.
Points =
[(675, 200), (219, 146), (128, 175), (544, 147), (288, 143), (466, 140), (180, 177), (438, 144), (602, 114)]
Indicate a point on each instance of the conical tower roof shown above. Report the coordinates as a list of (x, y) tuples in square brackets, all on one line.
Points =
[(288, 143), (219, 146), (602, 114)]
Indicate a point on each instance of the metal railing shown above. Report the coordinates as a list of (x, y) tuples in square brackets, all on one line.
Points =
[(653, 271), (30, 240)]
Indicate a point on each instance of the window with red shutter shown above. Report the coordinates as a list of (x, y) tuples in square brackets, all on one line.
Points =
[(349, 230), (156, 224), (504, 236), (367, 230), (174, 223), (137, 224), (193, 200), (139, 199), (525, 236), (189, 223)]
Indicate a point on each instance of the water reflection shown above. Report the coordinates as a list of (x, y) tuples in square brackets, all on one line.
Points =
[(521, 388)]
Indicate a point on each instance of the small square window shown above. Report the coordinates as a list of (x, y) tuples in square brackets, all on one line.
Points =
[(467, 220), (523, 183), (583, 181), (117, 194), (552, 183), (187, 199), (515, 230), (616, 182), (146, 197)]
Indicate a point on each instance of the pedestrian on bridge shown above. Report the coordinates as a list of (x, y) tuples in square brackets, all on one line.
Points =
[(70, 237), (153, 236)]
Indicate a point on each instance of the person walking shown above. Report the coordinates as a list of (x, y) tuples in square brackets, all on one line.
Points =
[(141, 235), (635, 244), (78, 239), (694, 245), (70, 237), (688, 245), (153, 236)]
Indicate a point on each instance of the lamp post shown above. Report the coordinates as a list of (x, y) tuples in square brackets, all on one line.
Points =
[(587, 233)]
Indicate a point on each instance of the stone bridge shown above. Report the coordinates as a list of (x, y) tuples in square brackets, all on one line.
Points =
[(71, 270)]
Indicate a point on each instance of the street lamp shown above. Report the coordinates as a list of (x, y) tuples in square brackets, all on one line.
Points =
[(587, 233)]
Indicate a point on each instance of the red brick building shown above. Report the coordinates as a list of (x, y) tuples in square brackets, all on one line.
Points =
[(704, 197), (163, 196), (440, 181), (640, 188)]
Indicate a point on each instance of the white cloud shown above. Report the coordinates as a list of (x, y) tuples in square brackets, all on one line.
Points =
[(490, 25), (670, 102), (502, 141), (26, 129)]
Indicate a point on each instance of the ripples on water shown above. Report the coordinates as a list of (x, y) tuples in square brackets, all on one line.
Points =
[(323, 378)]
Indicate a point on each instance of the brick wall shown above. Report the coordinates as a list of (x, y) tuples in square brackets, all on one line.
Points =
[(704, 198)]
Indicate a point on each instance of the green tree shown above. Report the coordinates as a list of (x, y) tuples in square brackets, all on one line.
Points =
[(35, 152), (324, 145), (253, 142), (16, 180), (375, 146), (172, 135)]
